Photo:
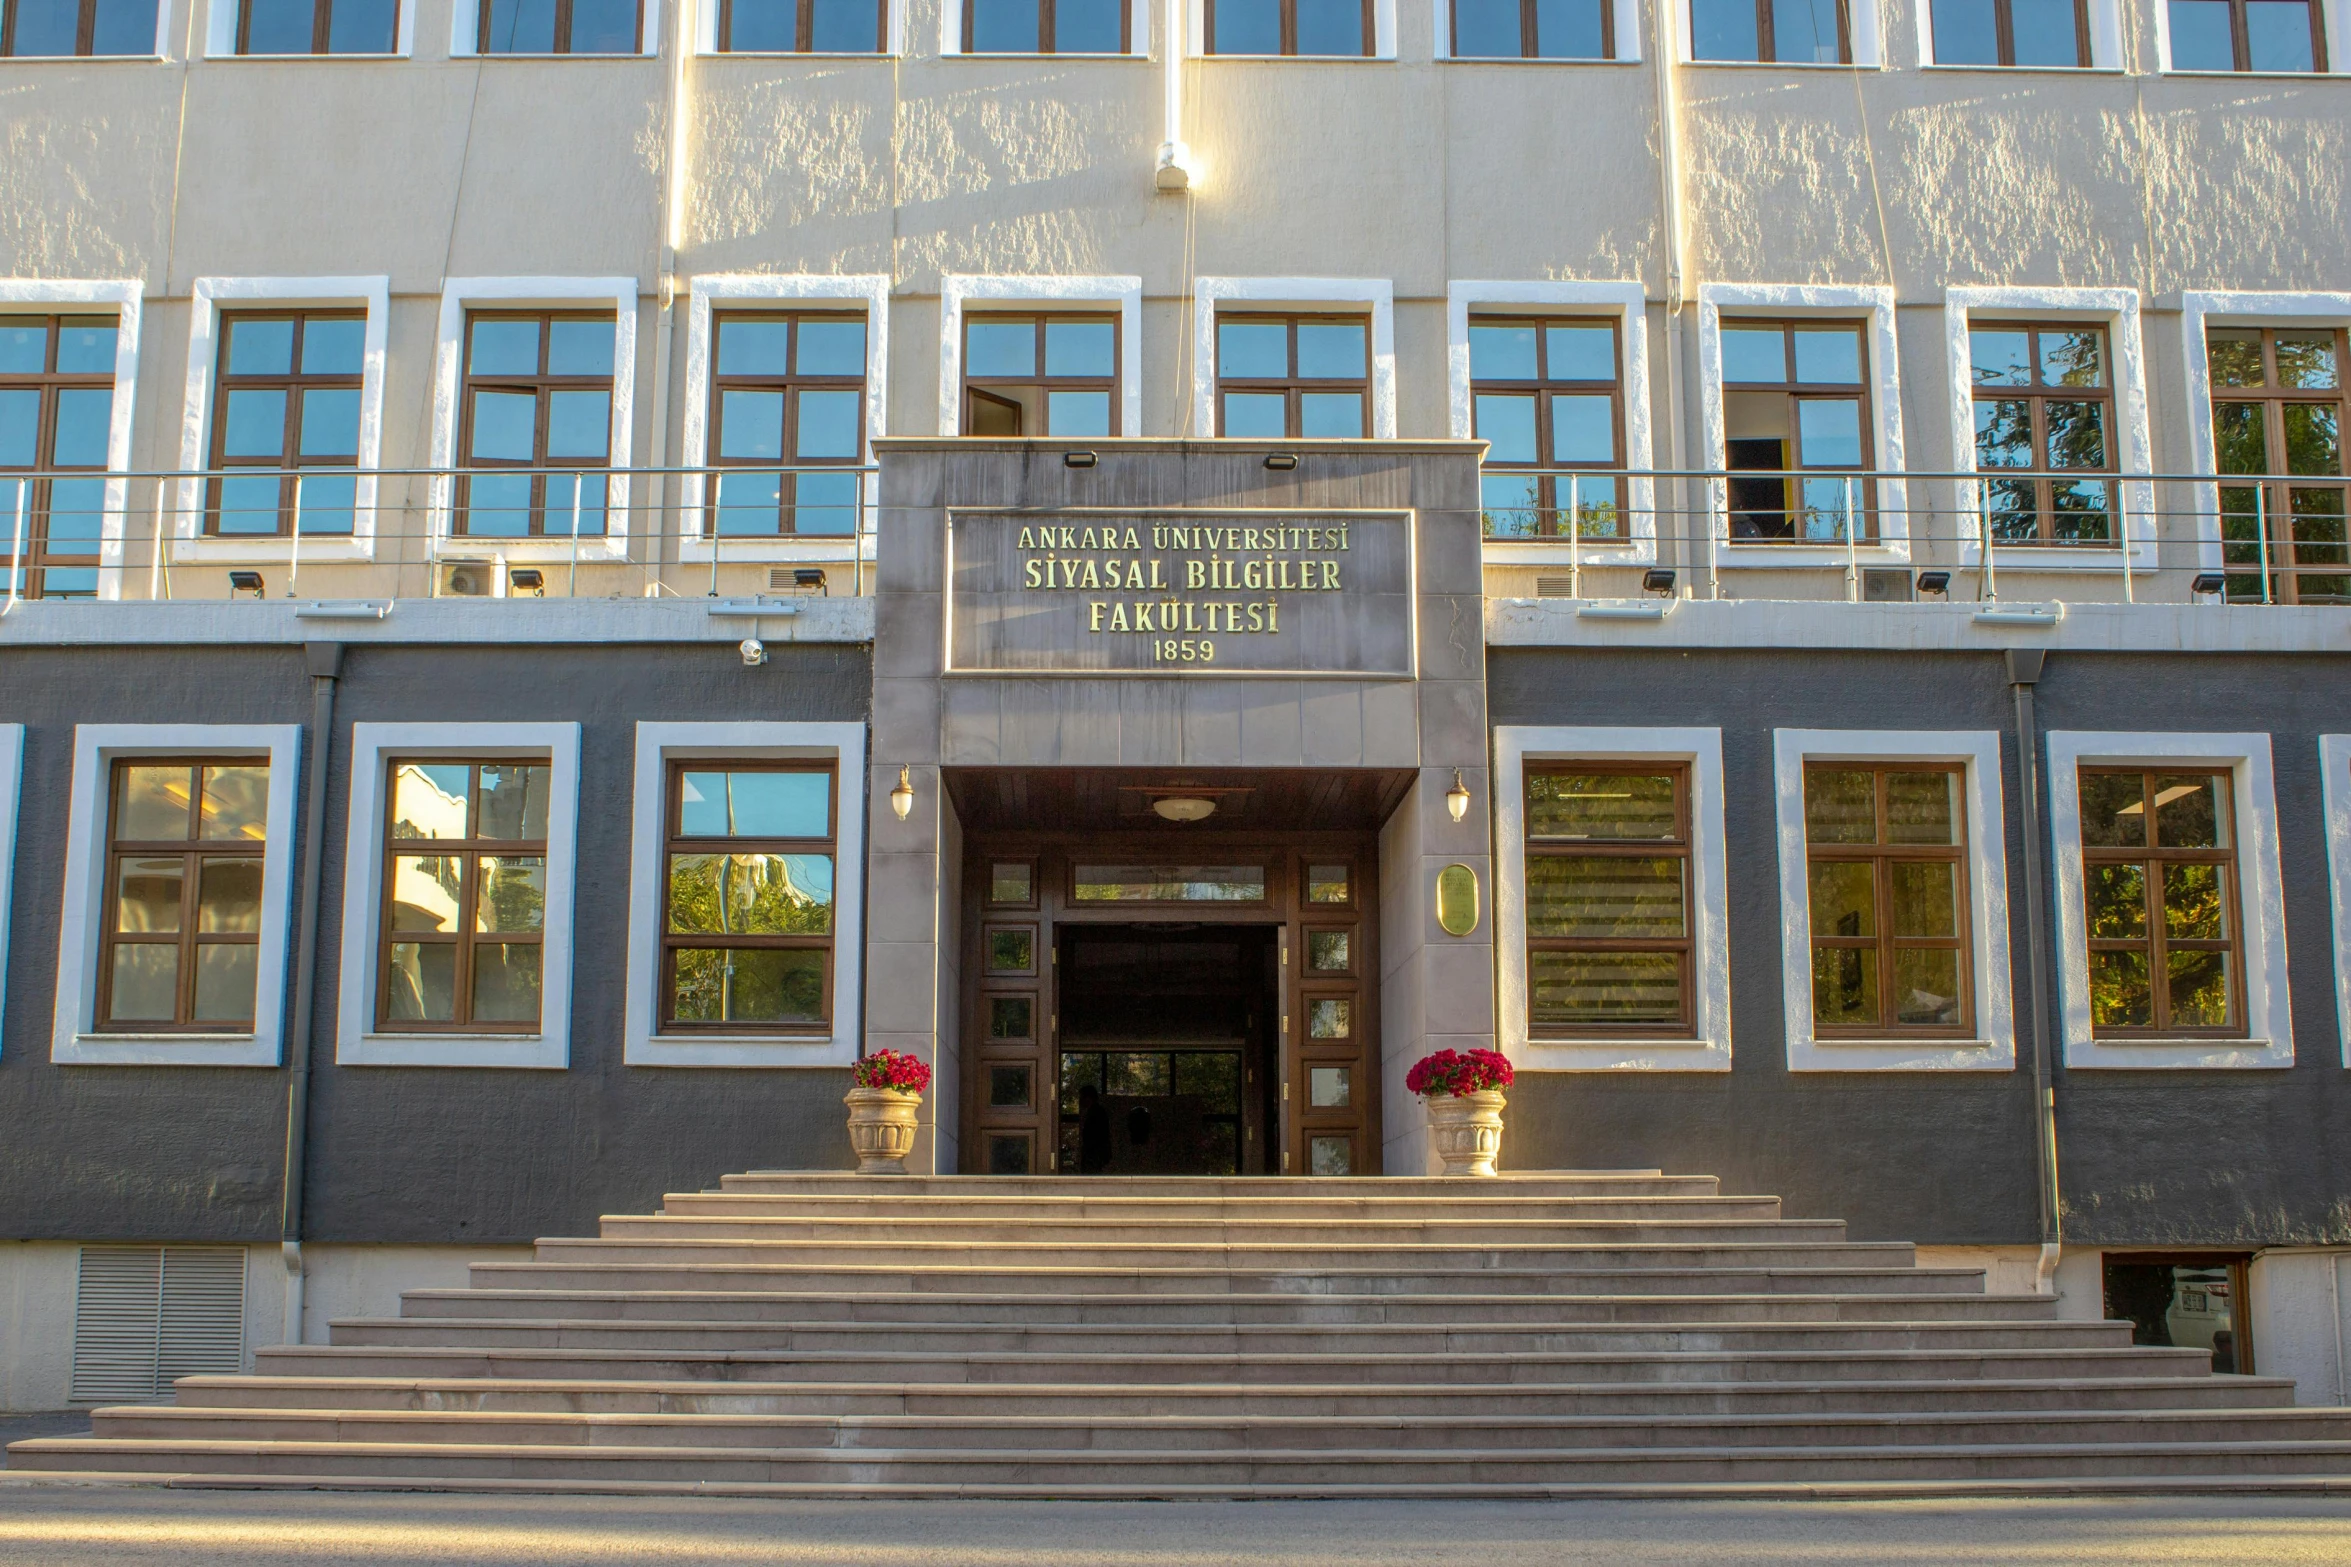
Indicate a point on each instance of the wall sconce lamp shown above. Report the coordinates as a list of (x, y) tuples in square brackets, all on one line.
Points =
[(1457, 797), (902, 797)]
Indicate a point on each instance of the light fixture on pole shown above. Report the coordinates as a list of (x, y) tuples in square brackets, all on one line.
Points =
[(902, 797), (1457, 797)]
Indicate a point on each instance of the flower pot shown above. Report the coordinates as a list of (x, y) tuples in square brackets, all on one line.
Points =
[(881, 1129), (1467, 1129)]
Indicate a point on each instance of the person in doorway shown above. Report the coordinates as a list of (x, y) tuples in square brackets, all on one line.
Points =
[(1093, 1131)]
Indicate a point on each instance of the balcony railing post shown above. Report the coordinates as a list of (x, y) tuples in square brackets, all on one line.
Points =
[(2122, 512), (571, 587), (1852, 546), (2261, 536), (294, 540), (16, 568), (155, 566), (1575, 540), (1983, 523), (710, 521)]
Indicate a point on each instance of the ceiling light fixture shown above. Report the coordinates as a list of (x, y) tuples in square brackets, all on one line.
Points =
[(1184, 808)]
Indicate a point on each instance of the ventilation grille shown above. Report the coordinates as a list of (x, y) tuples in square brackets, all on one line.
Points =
[(146, 1314), (1560, 587)]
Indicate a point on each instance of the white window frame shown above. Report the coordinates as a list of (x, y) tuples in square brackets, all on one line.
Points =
[(868, 291), (1625, 19), (1383, 39), (2116, 309), (956, 290), (1709, 1047), (1993, 1049), (2334, 760), (705, 19), (1139, 35), (2269, 1016), (23, 296), (11, 793), (1884, 378), (1303, 294), (2201, 309), (206, 298), (372, 746), (220, 34), (1625, 303), (74, 1039), (2331, 21), (465, 31), (461, 294), (2105, 42), (657, 746), (1868, 44)]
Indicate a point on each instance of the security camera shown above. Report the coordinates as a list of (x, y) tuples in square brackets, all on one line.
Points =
[(754, 652)]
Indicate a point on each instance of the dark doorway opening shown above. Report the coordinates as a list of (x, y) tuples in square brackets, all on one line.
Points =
[(2186, 1299), (1168, 1048)]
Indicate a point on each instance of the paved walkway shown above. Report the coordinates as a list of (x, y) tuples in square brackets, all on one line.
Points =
[(54, 1526)]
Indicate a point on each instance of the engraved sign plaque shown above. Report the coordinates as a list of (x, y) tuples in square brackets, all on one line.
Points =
[(1181, 592)]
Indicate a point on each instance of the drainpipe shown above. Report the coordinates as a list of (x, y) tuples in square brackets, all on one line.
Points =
[(2024, 671), (1669, 180), (1175, 170), (325, 661), (685, 28)]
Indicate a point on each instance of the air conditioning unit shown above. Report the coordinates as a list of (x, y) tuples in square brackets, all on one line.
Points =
[(1885, 585), (466, 579)]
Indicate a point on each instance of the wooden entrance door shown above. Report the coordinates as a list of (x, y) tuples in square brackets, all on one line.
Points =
[(1318, 891)]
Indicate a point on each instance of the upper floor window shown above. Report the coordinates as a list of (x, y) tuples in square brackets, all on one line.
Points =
[(1293, 377), (1545, 397), (747, 937), (804, 26), (182, 938), (788, 403), (1608, 898), (2247, 35), (1888, 899), (1046, 27), (318, 27), (1790, 32), (2277, 411), (2012, 32), (2159, 887), (289, 399), (1040, 375), (51, 28), (561, 27), (2044, 398), (538, 392), (1336, 28), (465, 895), (1534, 29), (1796, 409), (56, 417)]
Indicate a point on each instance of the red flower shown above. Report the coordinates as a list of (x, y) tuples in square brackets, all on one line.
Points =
[(894, 1070), (1454, 1073)]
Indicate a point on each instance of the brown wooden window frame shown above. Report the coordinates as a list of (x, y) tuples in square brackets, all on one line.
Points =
[(1767, 43), (85, 36), (2245, 521), (2039, 394), (1881, 856), (2004, 39), (1293, 386), (1046, 22), (193, 851), (1529, 34), (2241, 43), (562, 46), (295, 384), (1792, 507), (472, 849), (48, 382), (675, 842), (543, 470), (321, 26), (1552, 492), (803, 28), (992, 387), (1681, 846), (2157, 943), (789, 385), (1289, 49)]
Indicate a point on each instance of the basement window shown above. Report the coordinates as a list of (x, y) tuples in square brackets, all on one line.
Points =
[(2189, 1300), (144, 1315)]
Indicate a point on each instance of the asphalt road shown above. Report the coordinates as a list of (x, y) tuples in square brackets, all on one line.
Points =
[(50, 1526)]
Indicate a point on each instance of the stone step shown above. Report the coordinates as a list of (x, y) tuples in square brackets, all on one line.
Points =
[(933, 1339), (1144, 1472), (1547, 1183), (1408, 1402), (1144, 1256), (1194, 1434), (1162, 1235), (1190, 1310), (438, 1360), (1250, 1283), (1283, 1210)]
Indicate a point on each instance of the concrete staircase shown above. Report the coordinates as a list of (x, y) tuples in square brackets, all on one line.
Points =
[(1603, 1333)]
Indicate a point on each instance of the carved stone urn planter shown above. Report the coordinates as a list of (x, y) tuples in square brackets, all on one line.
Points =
[(1468, 1130), (889, 1085)]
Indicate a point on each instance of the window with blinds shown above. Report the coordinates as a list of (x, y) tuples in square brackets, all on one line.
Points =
[(144, 1315)]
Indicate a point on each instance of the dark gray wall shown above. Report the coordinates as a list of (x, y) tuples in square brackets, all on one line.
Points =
[(2146, 1158), (395, 1153)]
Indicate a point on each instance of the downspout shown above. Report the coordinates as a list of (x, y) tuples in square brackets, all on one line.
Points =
[(1174, 172), (325, 662), (684, 27), (2024, 671), (1669, 178)]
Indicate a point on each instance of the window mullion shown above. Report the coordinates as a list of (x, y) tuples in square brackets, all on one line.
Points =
[(191, 874)]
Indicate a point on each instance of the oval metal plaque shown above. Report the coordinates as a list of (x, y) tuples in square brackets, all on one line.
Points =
[(1457, 900)]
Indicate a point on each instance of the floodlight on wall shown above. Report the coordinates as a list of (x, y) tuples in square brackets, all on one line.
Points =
[(245, 582), (2207, 582), (902, 797), (1657, 579), (1184, 808), (811, 579), (1457, 797), (527, 579), (1079, 459), (1934, 582)]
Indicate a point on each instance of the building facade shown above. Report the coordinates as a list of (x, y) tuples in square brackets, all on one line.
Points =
[(576, 568)]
